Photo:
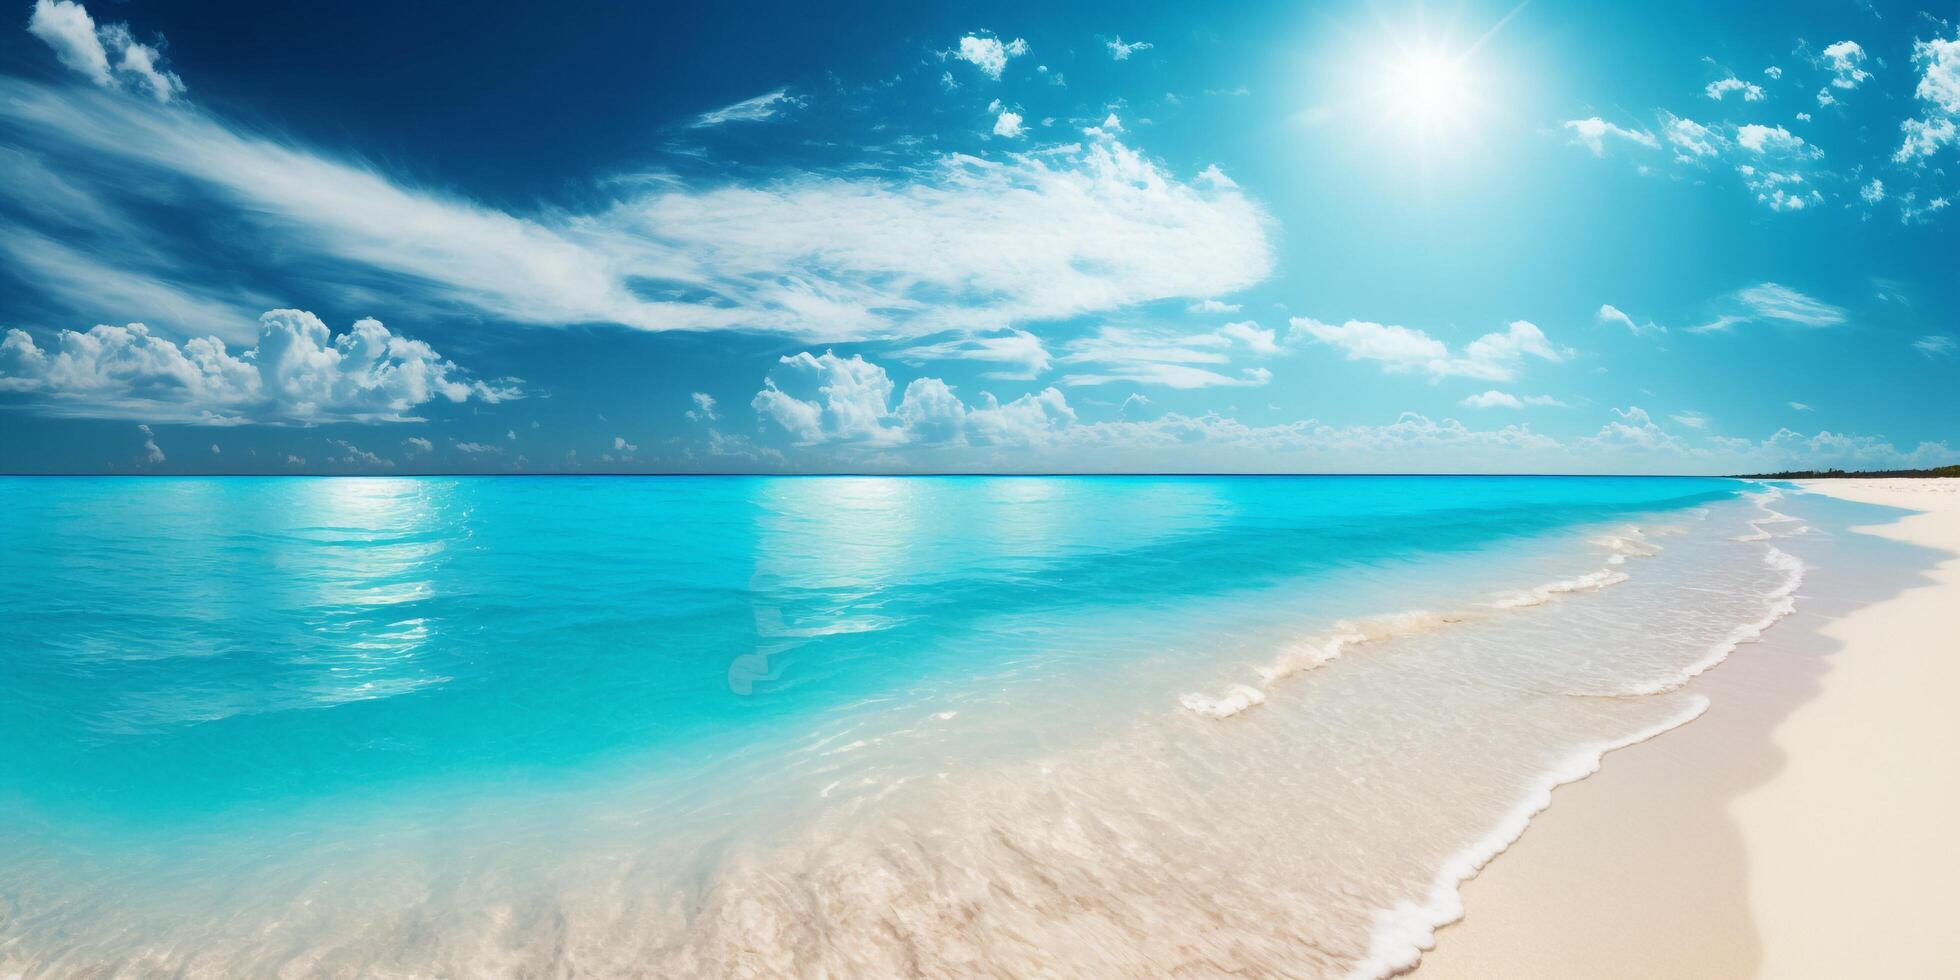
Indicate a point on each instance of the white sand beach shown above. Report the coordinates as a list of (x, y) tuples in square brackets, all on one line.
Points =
[(1802, 828)]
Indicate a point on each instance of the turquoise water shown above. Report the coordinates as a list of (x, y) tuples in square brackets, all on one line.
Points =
[(230, 692)]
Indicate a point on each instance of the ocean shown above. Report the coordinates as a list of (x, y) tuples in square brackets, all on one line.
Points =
[(830, 726)]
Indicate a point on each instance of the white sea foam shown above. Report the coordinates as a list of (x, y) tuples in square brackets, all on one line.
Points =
[(1403, 932), (1589, 582), (1347, 634), (1782, 602)]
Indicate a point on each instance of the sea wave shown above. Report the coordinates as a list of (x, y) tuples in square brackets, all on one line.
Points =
[(1404, 931), (1629, 542)]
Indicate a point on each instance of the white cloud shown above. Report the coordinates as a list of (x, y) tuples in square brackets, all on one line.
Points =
[(1751, 92), (1175, 359), (1501, 399), (956, 242), (1213, 306), (1109, 127), (1939, 89), (1632, 429), (418, 445), (292, 460), (1592, 134), (108, 56), (1771, 301), (298, 371), (704, 408), (1020, 353), (1873, 192), (1761, 139), (1719, 324), (1845, 61), (356, 456), (1778, 190), (1122, 52), (1911, 211), (1493, 399), (620, 445), (989, 53), (1800, 406), (215, 451), (1491, 357), (1692, 419), (479, 448), (1610, 314), (1773, 72), (1934, 345), (1008, 124), (151, 454), (827, 399), (1691, 140), (762, 108)]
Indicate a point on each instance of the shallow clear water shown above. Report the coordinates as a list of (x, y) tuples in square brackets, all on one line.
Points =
[(821, 725)]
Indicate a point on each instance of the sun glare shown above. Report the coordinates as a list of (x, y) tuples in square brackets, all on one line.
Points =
[(1428, 91)]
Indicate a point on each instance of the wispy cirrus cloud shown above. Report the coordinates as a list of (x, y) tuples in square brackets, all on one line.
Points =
[(762, 108), (955, 242), (1172, 358), (1593, 133), (1774, 301), (1614, 316)]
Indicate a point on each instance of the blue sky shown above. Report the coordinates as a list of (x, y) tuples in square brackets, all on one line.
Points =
[(1555, 237)]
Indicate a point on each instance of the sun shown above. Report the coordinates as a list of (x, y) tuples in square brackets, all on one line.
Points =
[(1427, 90)]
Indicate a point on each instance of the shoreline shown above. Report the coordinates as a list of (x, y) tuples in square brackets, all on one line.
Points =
[(1793, 830)]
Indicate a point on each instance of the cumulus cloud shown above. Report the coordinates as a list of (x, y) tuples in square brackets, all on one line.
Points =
[(1761, 139), (620, 445), (855, 425), (1612, 315), (151, 454), (1691, 140), (1213, 306), (352, 455), (1008, 124), (1593, 133), (704, 408), (1845, 61), (1779, 190), (417, 445), (826, 399), (1122, 52), (1873, 192), (762, 108), (1502, 399), (1750, 91), (108, 55), (1938, 92), (1492, 357), (1800, 406), (478, 448), (298, 372), (1493, 399), (1692, 419), (989, 53)]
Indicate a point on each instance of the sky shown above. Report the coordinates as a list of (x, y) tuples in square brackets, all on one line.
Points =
[(1673, 237)]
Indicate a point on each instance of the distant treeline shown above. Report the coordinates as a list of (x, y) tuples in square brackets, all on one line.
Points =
[(1844, 475)]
